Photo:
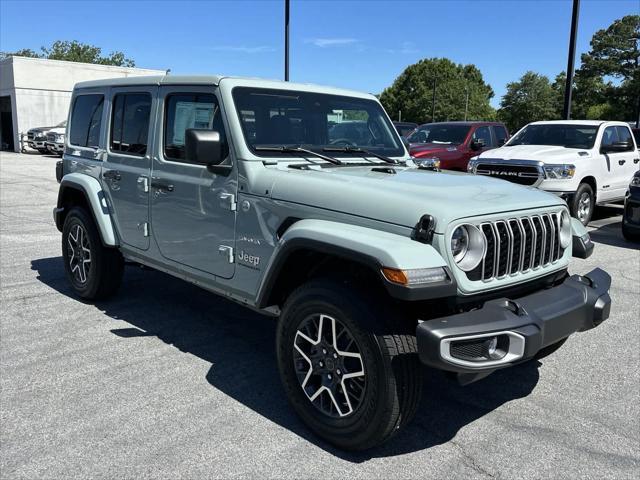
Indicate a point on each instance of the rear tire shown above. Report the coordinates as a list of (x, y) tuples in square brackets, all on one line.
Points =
[(93, 270), (383, 387), (583, 203), (628, 234)]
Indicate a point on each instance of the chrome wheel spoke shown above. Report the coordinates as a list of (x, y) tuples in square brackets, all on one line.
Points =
[(79, 250)]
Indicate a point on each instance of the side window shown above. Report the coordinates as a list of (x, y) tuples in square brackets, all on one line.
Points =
[(609, 136), (130, 123), (624, 135), (86, 120), (501, 134), (190, 110), (483, 133)]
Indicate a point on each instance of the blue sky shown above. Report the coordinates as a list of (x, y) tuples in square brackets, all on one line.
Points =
[(362, 45)]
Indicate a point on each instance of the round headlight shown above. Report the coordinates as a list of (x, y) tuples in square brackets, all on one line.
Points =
[(468, 247), (565, 229), (459, 243)]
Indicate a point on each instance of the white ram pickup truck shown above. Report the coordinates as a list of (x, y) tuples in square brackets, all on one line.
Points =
[(586, 162)]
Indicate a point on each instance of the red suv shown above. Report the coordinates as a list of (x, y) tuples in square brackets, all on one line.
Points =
[(454, 143)]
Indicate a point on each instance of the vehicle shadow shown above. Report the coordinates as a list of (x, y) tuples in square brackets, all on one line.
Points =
[(610, 233), (239, 345)]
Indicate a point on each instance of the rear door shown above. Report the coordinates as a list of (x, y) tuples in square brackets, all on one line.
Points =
[(126, 170), (193, 211)]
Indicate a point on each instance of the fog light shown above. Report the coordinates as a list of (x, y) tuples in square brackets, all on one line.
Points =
[(492, 345)]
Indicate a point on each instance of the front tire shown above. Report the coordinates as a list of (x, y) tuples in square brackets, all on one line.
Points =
[(93, 270), (583, 203), (628, 234), (348, 365)]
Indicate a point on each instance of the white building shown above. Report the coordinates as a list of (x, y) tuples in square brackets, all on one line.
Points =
[(35, 92)]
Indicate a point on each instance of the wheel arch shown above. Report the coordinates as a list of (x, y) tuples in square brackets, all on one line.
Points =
[(83, 190), (311, 248), (591, 181)]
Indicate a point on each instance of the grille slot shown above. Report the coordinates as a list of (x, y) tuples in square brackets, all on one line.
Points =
[(517, 245)]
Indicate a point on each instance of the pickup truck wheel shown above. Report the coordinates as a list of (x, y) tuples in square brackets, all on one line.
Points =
[(583, 203), (629, 235), (94, 271), (351, 374)]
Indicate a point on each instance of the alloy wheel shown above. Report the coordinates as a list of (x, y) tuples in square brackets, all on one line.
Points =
[(79, 253), (584, 206), (329, 366)]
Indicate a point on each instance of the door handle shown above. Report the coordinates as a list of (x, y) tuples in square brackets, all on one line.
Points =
[(162, 185), (621, 162), (636, 160), (112, 175)]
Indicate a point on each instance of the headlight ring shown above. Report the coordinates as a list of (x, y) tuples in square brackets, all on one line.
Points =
[(468, 246)]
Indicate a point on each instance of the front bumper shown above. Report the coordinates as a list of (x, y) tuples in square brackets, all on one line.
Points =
[(631, 215), (526, 324), (36, 144), (55, 147)]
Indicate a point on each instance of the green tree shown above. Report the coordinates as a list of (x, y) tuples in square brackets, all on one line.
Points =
[(74, 51), (412, 92), (529, 99), (589, 97), (615, 52)]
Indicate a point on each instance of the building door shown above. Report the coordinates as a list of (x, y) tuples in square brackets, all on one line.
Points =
[(6, 124)]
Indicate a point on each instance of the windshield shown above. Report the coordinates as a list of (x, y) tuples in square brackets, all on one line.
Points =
[(561, 135), (443, 133), (314, 121)]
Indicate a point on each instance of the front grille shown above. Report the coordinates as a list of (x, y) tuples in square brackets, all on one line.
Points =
[(30, 135), (520, 174), (517, 245)]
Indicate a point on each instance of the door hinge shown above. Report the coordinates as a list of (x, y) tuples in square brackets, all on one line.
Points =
[(144, 183), (230, 200), (227, 252)]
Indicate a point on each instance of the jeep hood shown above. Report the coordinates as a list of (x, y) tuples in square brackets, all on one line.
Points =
[(404, 197), (543, 153)]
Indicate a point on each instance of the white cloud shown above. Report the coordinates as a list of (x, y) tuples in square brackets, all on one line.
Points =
[(331, 42), (406, 48), (244, 49)]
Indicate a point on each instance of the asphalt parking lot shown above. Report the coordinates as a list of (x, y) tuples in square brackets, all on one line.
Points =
[(168, 381)]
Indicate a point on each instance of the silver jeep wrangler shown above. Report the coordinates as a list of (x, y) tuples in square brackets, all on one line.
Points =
[(302, 202)]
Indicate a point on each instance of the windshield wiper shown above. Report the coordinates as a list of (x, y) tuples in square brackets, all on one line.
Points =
[(362, 151), (296, 149)]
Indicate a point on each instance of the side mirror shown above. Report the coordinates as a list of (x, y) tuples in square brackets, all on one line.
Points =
[(477, 144), (616, 147), (204, 147)]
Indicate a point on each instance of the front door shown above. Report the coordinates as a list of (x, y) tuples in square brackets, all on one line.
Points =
[(614, 181), (192, 209), (125, 172)]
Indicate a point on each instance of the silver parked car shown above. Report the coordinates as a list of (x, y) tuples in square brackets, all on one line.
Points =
[(372, 266)]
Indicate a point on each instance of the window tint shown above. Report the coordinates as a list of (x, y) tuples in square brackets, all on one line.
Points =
[(483, 133), (610, 136), (86, 119), (190, 110), (624, 135), (501, 134), (442, 133), (130, 123)]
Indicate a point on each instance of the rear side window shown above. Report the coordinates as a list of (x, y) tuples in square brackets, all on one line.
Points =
[(624, 135), (86, 120), (190, 110), (130, 123), (501, 134)]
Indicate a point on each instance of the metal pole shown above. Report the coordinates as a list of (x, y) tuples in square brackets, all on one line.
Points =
[(433, 102), (566, 113), (286, 40), (466, 105), (399, 115)]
